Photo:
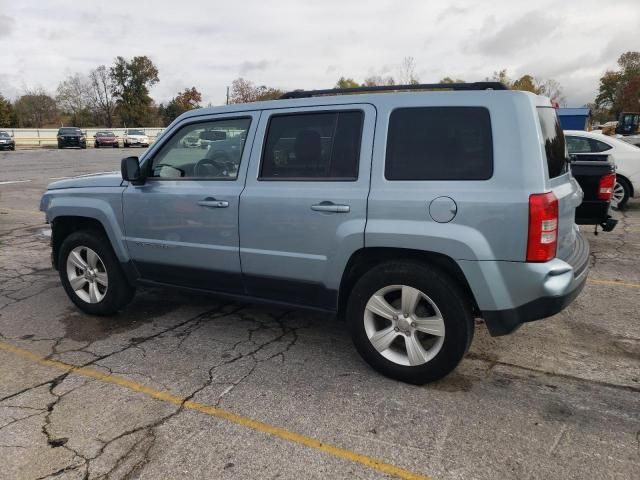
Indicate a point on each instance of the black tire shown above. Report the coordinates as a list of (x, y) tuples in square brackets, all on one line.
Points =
[(96, 145), (626, 186), (118, 293), (444, 292), (83, 147), (126, 145), (59, 147), (115, 145)]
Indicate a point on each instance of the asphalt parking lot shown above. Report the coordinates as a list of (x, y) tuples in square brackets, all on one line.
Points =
[(182, 386)]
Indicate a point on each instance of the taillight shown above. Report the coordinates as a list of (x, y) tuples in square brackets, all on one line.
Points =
[(605, 187), (543, 227)]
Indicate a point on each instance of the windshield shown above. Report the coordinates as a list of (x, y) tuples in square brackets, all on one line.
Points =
[(135, 132), (554, 145), (4, 135), (69, 131), (105, 134)]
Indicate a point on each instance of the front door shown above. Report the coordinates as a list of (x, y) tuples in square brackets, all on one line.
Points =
[(303, 211), (181, 226)]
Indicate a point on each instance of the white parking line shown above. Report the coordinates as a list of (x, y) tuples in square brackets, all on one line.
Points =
[(14, 181)]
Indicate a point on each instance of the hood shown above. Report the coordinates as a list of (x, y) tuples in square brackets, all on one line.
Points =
[(109, 179)]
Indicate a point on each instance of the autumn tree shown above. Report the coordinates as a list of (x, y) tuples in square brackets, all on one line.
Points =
[(244, 91), (450, 80), (131, 82), (631, 95), (102, 97), (36, 109), (378, 80), (186, 100), (344, 82), (617, 86)]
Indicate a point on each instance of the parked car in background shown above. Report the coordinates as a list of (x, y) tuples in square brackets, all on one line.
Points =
[(409, 214), (628, 123), (7, 142), (625, 156), (105, 139), (134, 137), (71, 137)]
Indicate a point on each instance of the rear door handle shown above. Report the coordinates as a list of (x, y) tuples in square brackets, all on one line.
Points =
[(330, 207), (213, 203)]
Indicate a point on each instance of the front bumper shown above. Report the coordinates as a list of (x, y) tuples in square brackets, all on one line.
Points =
[(509, 294), (7, 146)]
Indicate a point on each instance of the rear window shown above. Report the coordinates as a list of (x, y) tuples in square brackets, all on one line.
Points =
[(554, 144), (439, 143)]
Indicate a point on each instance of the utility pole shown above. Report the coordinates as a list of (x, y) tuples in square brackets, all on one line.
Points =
[(227, 95)]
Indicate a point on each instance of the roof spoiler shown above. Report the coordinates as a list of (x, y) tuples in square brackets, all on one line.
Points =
[(397, 88)]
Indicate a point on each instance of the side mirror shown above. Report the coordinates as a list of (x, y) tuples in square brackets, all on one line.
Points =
[(130, 170)]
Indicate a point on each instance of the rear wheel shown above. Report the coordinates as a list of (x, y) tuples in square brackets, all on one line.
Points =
[(409, 321), (621, 192), (91, 274)]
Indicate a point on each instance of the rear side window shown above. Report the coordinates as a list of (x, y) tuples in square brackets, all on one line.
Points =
[(313, 146), (598, 146), (554, 145), (439, 143)]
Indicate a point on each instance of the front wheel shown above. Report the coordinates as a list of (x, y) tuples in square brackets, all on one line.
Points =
[(410, 321), (91, 275)]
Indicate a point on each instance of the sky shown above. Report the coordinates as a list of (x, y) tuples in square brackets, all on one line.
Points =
[(310, 44)]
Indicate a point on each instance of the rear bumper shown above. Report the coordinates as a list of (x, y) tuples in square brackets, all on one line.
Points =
[(509, 294)]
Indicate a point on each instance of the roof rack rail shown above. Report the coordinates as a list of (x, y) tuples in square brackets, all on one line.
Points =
[(395, 88)]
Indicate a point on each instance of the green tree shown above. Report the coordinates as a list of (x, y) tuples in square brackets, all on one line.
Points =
[(186, 100), (346, 83), (131, 82), (36, 109), (7, 114)]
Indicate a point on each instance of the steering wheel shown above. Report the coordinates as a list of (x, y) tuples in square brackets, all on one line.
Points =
[(212, 167)]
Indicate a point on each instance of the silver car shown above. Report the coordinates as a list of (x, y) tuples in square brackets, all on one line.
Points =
[(408, 213)]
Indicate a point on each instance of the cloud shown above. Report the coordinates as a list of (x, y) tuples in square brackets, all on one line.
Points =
[(7, 25), (248, 66), (523, 33), (452, 11)]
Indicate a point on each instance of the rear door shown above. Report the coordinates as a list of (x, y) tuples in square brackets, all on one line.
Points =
[(303, 211), (562, 183)]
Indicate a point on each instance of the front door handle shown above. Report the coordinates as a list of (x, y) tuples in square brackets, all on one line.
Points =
[(330, 207), (213, 203)]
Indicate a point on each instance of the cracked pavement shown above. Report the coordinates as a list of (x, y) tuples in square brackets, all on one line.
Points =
[(558, 399)]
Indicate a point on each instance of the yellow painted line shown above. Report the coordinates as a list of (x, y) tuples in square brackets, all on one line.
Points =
[(613, 282), (257, 425)]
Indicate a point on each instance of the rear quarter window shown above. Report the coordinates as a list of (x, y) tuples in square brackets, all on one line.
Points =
[(439, 143), (553, 142)]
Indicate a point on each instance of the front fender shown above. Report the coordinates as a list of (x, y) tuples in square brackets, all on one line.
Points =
[(101, 204)]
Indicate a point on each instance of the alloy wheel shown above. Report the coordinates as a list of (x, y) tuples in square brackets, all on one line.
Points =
[(87, 274), (404, 325)]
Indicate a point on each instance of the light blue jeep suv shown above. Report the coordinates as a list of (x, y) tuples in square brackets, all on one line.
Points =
[(409, 212)]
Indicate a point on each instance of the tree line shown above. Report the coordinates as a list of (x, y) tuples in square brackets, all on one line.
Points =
[(118, 95), (115, 96)]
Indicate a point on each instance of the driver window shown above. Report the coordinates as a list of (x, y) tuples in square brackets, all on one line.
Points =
[(209, 150)]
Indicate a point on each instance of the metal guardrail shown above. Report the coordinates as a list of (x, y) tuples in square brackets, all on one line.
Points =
[(46, 137)]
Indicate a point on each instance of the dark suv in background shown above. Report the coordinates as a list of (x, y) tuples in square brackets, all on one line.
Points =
[(71, 137), (6, 141)]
